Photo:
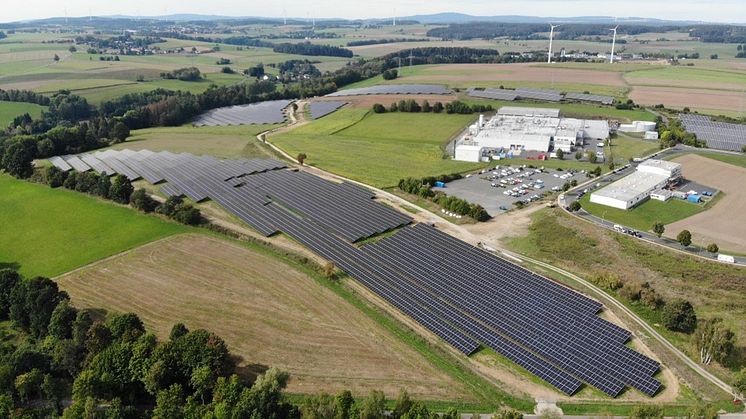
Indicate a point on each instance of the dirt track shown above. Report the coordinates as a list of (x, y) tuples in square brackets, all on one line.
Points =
[(268, 313), (725, 222)]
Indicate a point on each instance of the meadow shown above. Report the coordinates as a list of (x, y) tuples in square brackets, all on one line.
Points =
[(643, 216), (378, 149), (10, 110), (226, 142), (51, 231)]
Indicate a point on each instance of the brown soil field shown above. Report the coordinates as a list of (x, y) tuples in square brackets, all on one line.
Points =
[(518, 72), (725, 222), (367, 101), (693, 98), (268, 313)]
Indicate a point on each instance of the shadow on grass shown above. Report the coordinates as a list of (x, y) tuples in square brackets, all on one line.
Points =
[(10, 265)]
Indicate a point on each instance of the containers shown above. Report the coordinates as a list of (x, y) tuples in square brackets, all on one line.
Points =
[(694, 198), (440, 184)]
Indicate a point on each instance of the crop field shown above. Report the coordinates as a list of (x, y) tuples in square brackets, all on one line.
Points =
[(268, 312), (10, 110), (643, 216), (725, 223), (378, 149), (51, 231), (582, 248), (227, 142)]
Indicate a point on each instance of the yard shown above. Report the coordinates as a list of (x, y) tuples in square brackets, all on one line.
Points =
[(643, 216)]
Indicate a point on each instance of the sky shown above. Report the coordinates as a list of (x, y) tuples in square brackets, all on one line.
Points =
[(727, 11)]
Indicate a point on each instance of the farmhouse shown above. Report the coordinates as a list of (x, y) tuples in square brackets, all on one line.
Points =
[(515, 129), (651, 176)]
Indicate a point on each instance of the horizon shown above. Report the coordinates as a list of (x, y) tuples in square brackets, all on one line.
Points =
[(720, 11)]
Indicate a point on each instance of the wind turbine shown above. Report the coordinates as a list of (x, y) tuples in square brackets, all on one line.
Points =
[(613, 44), (551, 36)]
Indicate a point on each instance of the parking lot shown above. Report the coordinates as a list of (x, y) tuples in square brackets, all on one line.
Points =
[(498, 188)]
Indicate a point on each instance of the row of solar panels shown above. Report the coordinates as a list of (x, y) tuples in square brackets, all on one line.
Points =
[(395, 89), (463, 295), (537, 94), (720, 135), (269, 112), (321, 108)]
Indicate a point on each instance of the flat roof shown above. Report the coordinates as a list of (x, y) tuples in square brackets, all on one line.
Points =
[(525, 111), (661, 164), (631, 186)]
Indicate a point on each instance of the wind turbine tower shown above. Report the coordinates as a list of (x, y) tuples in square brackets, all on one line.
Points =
[(613, 44), (394, 22), (551, 37)]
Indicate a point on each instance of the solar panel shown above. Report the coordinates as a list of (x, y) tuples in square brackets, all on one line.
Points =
[(494, 94), (720, 135), (76, 163), (394, 89), (269, 112), (539, 94), (319, 109), (604, 100), (60, 163)]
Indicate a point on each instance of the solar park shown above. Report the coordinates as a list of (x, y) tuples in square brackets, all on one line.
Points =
[(464, 295), (320, 109), (720, 135), (269, 112), (395, 89), (538, 94)]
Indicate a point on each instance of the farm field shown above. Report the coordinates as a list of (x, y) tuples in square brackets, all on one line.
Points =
[(227, 142), (51, 231), (287, 320), (723, 224), (580, 247), (643, 216), (10, 110), (378, 149)]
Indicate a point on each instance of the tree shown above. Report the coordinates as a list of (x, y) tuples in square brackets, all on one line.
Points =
[(592, 157), (177, 331), (345, 403), (390, 74), (402, 405), (713, 248), (646, 411), (679, 316), (8, 281), (713, 341), (187, 214), (140, 199), (126, 327), (119, 132), (72, 48), (560, 154), (378, 108), (121, 189), (743, 148), (301, 158), (61, 321), (739, 382), (575, 206), (319, 406), (578, 155), (28, 385), (18, 157), (56, 58), (202, 381), (168, 403), (373, 406), (702, 411), (659, 228), (437, 107), (426, 107), (103, 186), (507, 413), (684, 237)]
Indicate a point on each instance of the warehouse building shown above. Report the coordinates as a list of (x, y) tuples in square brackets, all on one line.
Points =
[(517, 129), (650, 177)]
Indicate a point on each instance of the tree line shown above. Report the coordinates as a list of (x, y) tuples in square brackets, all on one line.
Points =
[(384, 41), (307, 48), (183, 74), (674, 133), (27, 96), (423, 188)]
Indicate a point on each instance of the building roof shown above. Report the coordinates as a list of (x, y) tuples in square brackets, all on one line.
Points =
[(631, 186), (661, 164), (524, 111)]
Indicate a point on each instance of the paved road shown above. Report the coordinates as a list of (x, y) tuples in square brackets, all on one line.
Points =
[(569, 197)]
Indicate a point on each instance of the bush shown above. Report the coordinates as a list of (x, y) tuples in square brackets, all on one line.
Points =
[(390, 74), (378, 108), (713, 248), (679, 316), (575, 206), (187, 214), (142, 201), (684, 237)]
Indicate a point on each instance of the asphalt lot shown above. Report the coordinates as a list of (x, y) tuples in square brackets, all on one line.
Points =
[(477, 188)]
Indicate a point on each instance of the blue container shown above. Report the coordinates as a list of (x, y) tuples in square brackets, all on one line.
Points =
[(694, 198), (440, 184)]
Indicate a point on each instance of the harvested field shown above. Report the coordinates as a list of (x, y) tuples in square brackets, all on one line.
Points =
[(715, 100), (724, 223), (517, 72), (367, 101), (269, 314)]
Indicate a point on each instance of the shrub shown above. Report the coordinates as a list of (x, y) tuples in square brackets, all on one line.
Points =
[(679, 316), (142, 201), (575, 206), (713, 248), (390, 74), (378, 108), (684, 237)]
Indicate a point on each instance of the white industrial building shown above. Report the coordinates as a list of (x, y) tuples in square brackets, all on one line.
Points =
[(651, 176), (515, 129), (638, 126)]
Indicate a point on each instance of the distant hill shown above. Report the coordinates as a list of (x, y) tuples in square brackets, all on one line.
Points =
[(444, 18)]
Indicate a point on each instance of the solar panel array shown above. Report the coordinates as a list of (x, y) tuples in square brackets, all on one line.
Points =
[(604, 100), (321, 108), (537, 94), (395, 89), (720, 135), (467, 297), (269, 112)]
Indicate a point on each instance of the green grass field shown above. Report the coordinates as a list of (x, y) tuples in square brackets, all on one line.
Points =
[(623, 148), (10, 110), (727, 158), (643, 216), (378, 149), (228, 142), (51, 231)]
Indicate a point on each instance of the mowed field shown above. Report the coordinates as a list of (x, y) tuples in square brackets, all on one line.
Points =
[(378, 149), (10, 110), (269, 313), (51, 231), (227, 142), (724, 223)]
